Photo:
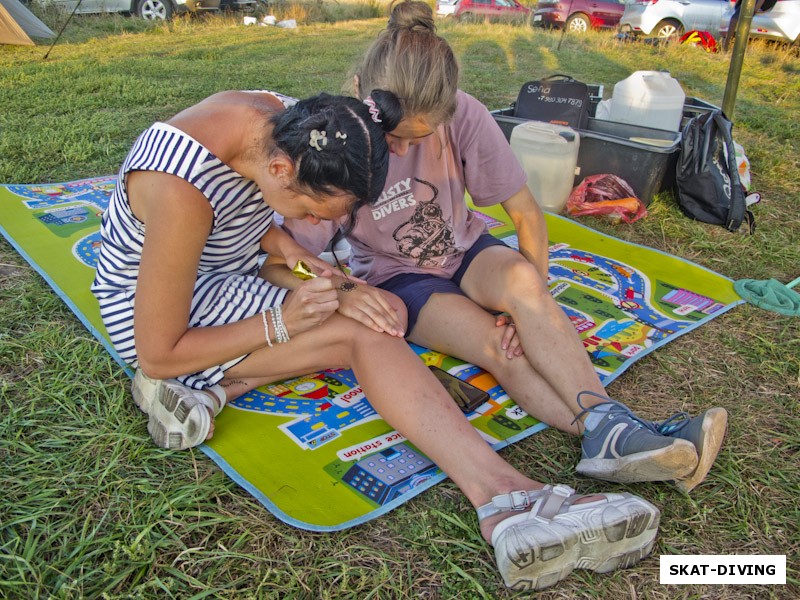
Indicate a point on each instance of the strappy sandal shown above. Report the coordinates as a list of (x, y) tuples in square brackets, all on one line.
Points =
[(178, 416), (537, 549)]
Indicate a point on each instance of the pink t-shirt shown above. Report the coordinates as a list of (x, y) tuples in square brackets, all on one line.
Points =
[(421, 223)]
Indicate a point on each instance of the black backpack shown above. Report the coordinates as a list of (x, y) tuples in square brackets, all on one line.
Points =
[(707, 177)]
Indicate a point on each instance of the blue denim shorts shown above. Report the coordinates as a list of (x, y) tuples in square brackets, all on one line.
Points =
[(416, 288)]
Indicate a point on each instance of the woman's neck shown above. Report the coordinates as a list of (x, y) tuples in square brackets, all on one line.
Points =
[(241, 132)]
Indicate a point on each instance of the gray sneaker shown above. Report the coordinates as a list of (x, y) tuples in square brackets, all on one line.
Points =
[(625, 448), (705, 432)]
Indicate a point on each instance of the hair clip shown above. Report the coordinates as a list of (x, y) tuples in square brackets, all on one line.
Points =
[(374, 111), (341, 136), (315, 137)]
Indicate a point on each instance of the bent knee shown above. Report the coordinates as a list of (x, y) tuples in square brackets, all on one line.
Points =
[(355, 336), (524, 281)]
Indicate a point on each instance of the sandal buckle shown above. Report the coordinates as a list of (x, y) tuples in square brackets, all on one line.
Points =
[(519, 500)]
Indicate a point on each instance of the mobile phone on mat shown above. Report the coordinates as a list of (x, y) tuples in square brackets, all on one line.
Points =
[(466, 395)]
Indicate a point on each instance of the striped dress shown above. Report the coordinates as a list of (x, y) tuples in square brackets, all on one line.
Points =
[(228, 288)]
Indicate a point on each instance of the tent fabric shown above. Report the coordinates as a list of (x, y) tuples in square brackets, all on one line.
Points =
[(18, 25)]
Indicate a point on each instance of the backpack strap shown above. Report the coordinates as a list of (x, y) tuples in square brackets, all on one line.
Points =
[(738, 208)]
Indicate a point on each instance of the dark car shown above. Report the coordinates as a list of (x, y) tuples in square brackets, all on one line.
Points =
[(493, 10), (238, 5), (579, 15)]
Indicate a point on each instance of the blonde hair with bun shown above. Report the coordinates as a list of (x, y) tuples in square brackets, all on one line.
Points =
[(412, 61)]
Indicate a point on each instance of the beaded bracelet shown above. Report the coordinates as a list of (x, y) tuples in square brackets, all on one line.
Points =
[(266, 327), (281, 333), (284, 331)]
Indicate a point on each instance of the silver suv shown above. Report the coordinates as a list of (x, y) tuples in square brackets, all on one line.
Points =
[(668, 18), (781, 23)]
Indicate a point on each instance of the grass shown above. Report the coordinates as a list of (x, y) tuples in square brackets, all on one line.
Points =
[(90, 509)]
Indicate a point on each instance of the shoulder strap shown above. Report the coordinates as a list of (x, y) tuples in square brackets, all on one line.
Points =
[(738, 207)]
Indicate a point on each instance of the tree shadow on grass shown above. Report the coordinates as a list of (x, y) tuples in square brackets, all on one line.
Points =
[(530, 55)]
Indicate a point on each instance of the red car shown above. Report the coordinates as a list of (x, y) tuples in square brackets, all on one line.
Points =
[(470, 10), (579, 15)]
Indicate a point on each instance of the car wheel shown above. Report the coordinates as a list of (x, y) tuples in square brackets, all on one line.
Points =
[(668, 28), (467, 17), (578, 23), (154, 10)]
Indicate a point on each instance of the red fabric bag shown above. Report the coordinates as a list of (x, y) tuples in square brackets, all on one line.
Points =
[(606, 195)]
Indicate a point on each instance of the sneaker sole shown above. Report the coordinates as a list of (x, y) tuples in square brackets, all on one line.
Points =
[(619, 536), (715, 423), (139, 398), (673, 462), (189, 420)]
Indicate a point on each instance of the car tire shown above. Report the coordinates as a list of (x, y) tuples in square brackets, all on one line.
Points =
[(578, 23), (467, 17), (668, 29), (155, 10)]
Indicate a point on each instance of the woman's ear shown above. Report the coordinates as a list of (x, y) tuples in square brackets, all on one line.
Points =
[(281, 168)]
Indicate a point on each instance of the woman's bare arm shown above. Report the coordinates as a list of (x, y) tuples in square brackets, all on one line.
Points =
[(177, 221)]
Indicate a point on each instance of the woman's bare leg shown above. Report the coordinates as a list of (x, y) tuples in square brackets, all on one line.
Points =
[(457, 326), (406, 395), (619, 446), (501, 279)]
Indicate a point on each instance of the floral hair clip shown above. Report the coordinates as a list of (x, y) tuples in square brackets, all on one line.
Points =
[(316, 137), (341, 136), (374, 111)]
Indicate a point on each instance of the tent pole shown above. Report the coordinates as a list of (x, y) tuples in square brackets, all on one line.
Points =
[(737, 57), (64, 26)]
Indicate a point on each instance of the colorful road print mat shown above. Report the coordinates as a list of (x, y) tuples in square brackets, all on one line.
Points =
[(312, 449)]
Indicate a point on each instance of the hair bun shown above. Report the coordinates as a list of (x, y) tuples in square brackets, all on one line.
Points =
[(385, 109), (413, 15)]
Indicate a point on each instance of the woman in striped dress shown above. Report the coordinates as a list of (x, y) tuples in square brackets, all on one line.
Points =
[(179, 278)]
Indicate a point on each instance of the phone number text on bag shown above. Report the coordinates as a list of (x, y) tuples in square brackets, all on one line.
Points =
[(558, 100)]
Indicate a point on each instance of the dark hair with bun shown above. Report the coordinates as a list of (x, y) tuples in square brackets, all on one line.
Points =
[(338, 143)]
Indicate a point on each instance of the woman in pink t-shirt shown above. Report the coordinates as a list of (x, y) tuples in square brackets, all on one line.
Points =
[(421, 242)]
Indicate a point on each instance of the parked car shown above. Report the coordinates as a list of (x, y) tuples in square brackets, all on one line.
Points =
[(147, 9), (238, 5), (671, 18), (781, 23), (469, 10), (578, 15)]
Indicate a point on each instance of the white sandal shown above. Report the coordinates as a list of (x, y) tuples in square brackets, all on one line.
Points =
[(537, 549), (178, 415)]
